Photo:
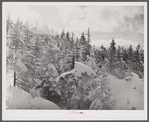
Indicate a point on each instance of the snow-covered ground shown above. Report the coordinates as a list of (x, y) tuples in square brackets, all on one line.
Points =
[(19, 99), (128, 92)]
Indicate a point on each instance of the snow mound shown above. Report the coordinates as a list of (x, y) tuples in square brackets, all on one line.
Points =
[(83, 68), (34, 93), (40, 103), (19, 99), (15, 92), (9, 79), (127, 93)]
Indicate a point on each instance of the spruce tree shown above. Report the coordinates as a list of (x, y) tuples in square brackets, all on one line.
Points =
[(63, 33), (130, 53), (119, 53), (112, 51)]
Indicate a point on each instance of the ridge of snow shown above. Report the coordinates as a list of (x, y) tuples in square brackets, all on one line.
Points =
[(83, 68)]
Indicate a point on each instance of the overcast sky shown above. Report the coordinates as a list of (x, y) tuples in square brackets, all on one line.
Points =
[(119, 22)]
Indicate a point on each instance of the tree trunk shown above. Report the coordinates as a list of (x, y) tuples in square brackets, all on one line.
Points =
[(14, 78)]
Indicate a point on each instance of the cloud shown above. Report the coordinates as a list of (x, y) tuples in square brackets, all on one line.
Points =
[(133, 24), (93, 17), (74, 18), (104, 19)]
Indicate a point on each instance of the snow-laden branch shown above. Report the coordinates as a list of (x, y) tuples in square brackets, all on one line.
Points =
[(79, 68)]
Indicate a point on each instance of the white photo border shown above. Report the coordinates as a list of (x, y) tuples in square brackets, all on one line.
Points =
[(68, 114)]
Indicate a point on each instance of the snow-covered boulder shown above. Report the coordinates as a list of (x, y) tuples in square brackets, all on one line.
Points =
[(83, 68)]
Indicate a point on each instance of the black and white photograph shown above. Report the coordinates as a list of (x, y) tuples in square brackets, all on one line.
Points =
[(74, 59)]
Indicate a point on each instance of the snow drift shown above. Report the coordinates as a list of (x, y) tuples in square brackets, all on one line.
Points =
[(128, 93), (20, 99)]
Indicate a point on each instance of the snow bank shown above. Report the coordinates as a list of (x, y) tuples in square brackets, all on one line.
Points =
[(9, 79), (128, 92), (19, 99), (40, 103)]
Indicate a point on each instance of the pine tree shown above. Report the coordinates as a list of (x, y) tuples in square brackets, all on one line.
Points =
[(63, 34), (8, 22), (125, 55), (88, 42), (112, 51), (73, 58), (137, 54), (83, 39), (130, 53), (119, 53), (67, 36), (77, 50)]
